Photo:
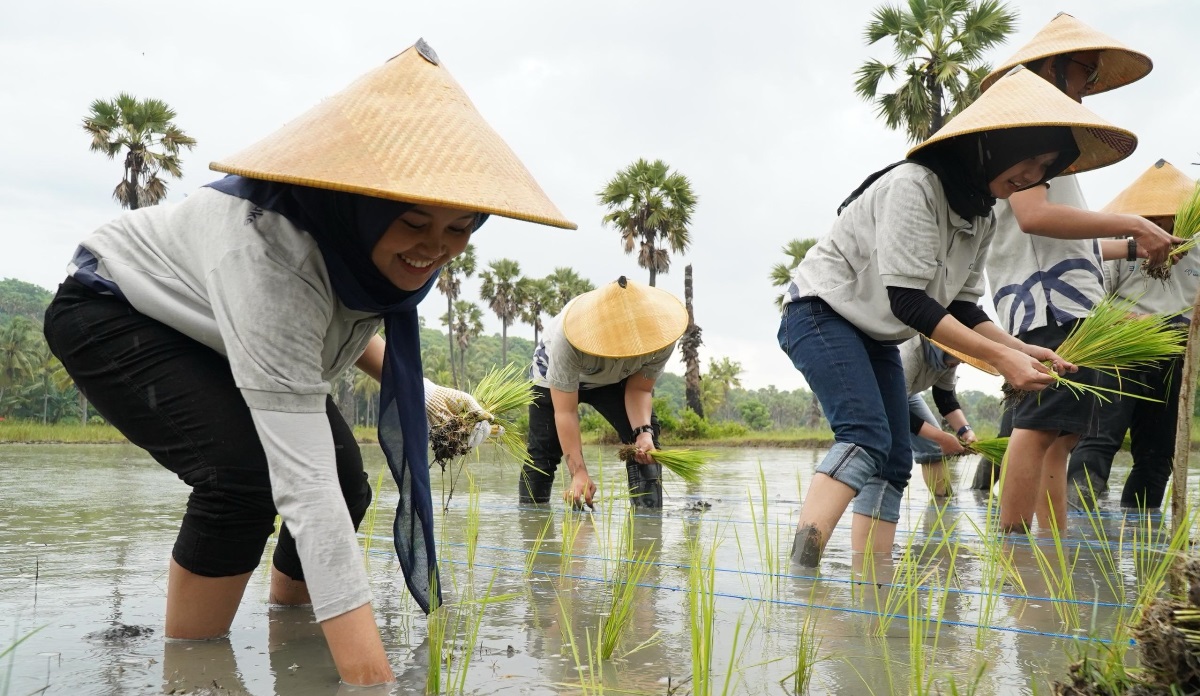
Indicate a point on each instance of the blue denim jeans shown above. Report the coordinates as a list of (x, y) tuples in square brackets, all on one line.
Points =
[(925, 451), (860, 385)]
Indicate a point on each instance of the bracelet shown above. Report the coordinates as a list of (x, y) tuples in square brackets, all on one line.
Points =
[(643, 429), (1132, 255), (964, 430)]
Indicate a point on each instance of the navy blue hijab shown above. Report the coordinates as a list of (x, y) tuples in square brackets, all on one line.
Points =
[(346, 228)]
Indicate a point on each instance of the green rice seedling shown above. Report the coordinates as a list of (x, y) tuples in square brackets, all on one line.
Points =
[(436, 622), (623, 590), (470, 617), (536, 547), (992, 449), (502, 392), (369, 519), (768, 550), (572, 521), (922, 617), (11, 652), (1187, 224), (808, 647), (688, 464), (1059, 575), (472, 524), (589, 682), (702, 612), (1112, 338)]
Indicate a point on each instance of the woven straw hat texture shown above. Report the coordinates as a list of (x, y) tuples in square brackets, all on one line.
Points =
[(623, 319), (1119, 64), (1024, 99), (1158, 192), (404, 131), (963, 357)]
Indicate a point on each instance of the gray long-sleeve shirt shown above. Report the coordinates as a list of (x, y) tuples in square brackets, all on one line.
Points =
[(250, 285)]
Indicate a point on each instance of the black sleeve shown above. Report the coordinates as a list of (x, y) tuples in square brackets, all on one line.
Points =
[(945, 400), (915, 308), (915, 422), (969, 313)]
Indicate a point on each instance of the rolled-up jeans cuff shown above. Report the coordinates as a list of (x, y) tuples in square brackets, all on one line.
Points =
[(879, 499), (849, 464)]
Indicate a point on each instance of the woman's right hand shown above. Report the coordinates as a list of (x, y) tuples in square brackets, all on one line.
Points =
[(581, 491), (1023, 371), (1153, 243), (950, 445)]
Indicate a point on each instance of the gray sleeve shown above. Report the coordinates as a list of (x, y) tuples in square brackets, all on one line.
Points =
[(304, 485), (973, 287), (563, 368), (907, 233), (273, 320), (947, 379)]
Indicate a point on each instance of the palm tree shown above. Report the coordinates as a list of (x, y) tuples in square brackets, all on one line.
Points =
[(724, 376), (535, 294), (567, 285), (449, 284), (781, 273), (143, 129), (939, 46), (650, 204), (468, 324), (689, 345), (367, 388), (499, 290), (19, 352)]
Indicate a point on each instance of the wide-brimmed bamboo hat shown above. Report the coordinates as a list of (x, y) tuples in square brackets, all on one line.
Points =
[(1023, 99), (964, 358), (404, 131), (1158, 192), (623, 319), (1119, 64)]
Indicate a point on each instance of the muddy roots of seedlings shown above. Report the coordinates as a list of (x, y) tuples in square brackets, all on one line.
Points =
[(1168, 637), (1011, 395), (450, 439), (1162, 272)]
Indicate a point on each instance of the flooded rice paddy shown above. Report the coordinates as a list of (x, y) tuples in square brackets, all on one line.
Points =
[(86, 532)]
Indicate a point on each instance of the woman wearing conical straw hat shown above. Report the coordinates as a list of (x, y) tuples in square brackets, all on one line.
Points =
[(1045, 275), (1155, 195), (906, 257), (208, 333), (606, 348)]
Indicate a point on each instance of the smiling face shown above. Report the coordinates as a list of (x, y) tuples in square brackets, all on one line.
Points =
[(421, 241), (1021, 175)]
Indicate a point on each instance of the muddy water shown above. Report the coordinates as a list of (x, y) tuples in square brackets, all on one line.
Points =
[(86, 531)]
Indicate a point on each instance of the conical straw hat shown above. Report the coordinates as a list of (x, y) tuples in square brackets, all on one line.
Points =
[(1119, 64), (1023, 99), (1158, 192), (404, 131), (972, 361), (624, 319)]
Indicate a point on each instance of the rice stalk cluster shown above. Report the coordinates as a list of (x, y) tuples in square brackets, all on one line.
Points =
[(992, 449), (688, 464), (1187, 224), (504, 393), (1111, 339)]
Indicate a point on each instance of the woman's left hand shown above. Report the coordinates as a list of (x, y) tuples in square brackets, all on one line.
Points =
[(645, 445)]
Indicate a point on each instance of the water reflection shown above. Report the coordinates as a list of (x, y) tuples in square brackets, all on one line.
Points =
[(81, 553)]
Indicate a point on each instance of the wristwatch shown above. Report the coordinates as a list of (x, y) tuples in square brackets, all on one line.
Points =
[(964, 430), (1132, 255), (642, 429)]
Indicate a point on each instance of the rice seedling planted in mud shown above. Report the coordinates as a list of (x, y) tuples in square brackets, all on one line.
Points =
[(1112, 339), (623, 591), (688, 464)]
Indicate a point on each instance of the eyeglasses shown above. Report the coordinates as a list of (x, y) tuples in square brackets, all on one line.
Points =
[(1093, 75)]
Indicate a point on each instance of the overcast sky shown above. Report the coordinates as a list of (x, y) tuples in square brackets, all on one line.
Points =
[(752, 100)]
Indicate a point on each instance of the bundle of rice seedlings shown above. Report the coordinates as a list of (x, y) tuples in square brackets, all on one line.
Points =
[(1187, 224), (1111, 339), (688, 464), (503, 393), (992, 449)]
